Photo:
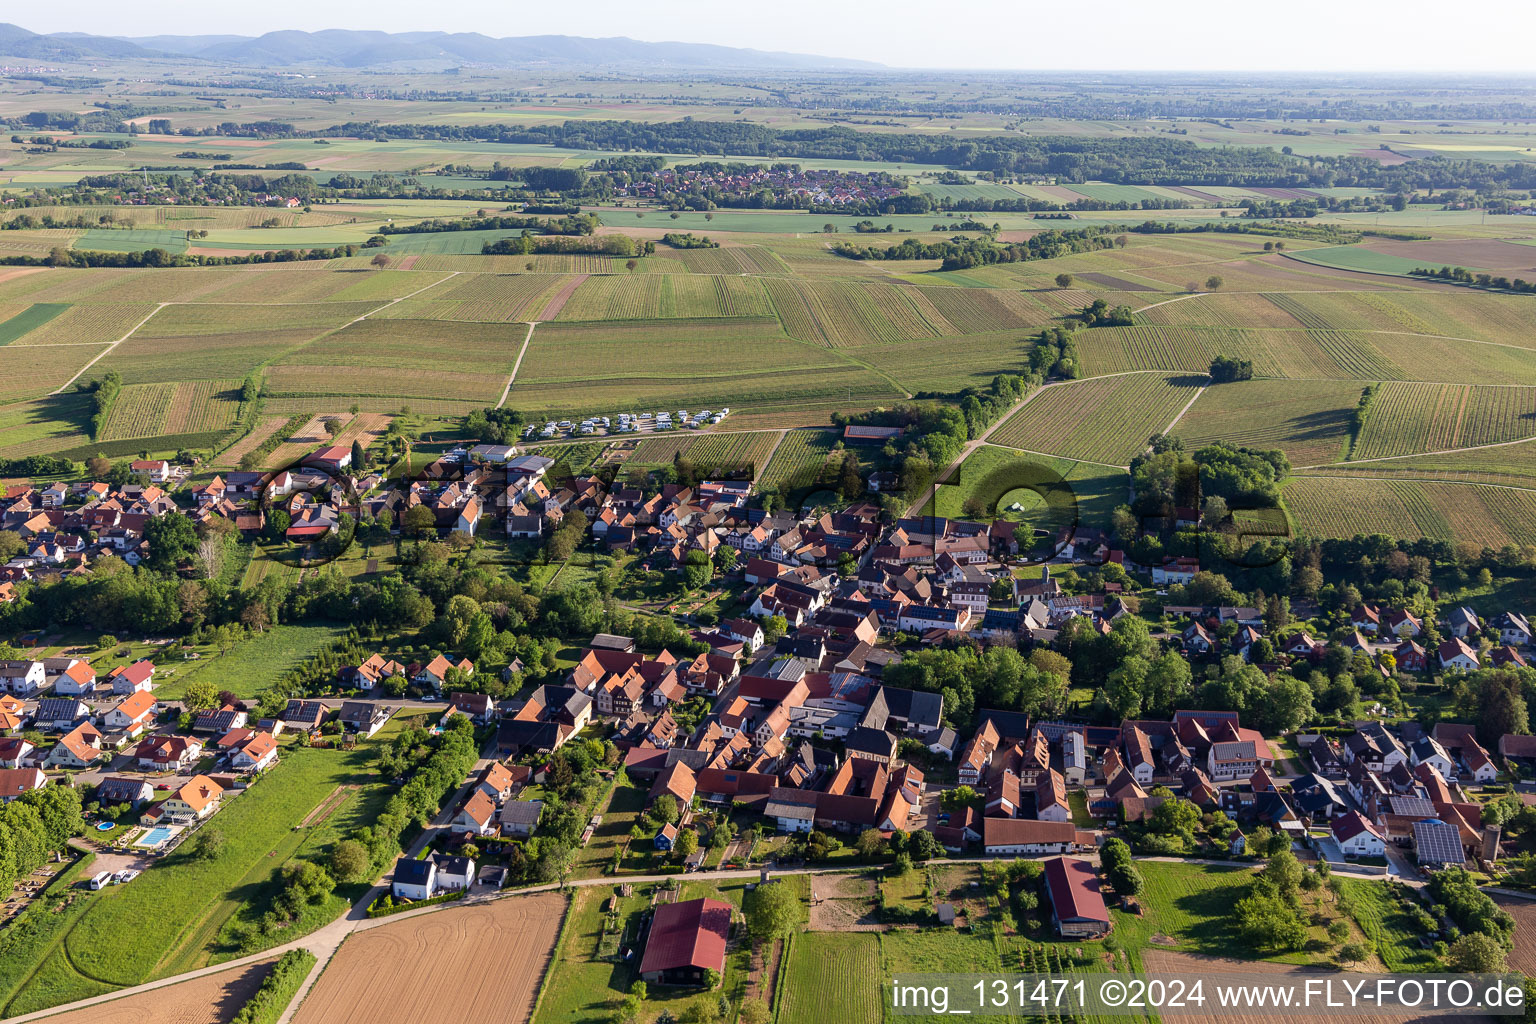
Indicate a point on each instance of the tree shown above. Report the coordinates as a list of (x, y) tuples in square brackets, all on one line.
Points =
[(1268, 922), (687, 843), (664, 809), (696, 570), (418, 521), (1353, 953), (1064, 280), (1475, 954), (359, 457), (1284, 871), (1214, 282), (379, 261), (870, 843), (349, 861), (172, 539), (773, 910), (200, 695), (209, 845)]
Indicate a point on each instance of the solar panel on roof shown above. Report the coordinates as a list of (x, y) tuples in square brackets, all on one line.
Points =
[(1437, 842)]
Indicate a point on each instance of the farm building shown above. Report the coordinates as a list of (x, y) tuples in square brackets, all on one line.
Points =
[(686, 940), (1077, 905)]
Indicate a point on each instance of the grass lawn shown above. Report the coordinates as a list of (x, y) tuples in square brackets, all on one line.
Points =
[(256, 663), (168, 920), (832, 976), (908, 891), (622, 811), (1387, 926), (28, 942)]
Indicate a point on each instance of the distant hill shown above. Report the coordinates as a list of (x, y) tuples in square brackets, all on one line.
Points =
[(347, 48), (18, 42)]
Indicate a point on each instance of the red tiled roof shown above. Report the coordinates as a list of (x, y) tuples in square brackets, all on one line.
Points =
[(1074, 890), (690, 934)]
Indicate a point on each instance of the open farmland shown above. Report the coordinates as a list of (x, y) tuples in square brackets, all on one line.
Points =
[(1512, 464), (1342, 506), (44, 425), (1308, 420), (28, 319), (211, 999), (486, 297), (689, 363), (459, 963), (716, 449), (832, 977), (1106, 419), (664, 296), (149, 410), (1409, 418), (425, 358), (32, 372), (799, 457)]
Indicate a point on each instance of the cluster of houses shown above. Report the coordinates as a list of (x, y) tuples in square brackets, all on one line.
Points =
[(110, 724), (66, 527)]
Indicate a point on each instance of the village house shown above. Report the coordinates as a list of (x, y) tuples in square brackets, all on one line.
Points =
[(167, 753), (1357, 835), (78, 748), (15, 782)]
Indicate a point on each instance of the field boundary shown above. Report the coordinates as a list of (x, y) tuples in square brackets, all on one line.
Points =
[(62, 387), (527, 338)]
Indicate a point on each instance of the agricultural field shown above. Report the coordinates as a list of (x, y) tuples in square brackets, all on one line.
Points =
[(1405, 419), (716, 449), (832, 976), (150, 410), (18, 324), (464, 963), (665, 296), (1308, 420), (425, 358), (483, 297), (798, 457), (626, 365), (1510, 464), (1106, 420), (211, 999), (44, 425), (1342, 506)]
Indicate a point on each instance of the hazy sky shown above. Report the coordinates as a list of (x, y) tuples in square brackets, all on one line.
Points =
[(1329, 35)]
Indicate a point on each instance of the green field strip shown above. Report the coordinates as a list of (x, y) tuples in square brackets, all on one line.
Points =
[(30, 319)]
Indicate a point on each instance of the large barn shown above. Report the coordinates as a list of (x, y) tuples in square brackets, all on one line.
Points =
[(686, 940), (1077, 906)]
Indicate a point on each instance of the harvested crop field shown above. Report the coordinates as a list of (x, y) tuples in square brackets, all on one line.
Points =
[(1491, 254), (1523, 957), (212, 999), (1166, 963), (463, 963)]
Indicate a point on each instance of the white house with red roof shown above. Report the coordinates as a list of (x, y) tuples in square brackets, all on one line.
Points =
[(126, 679), (1357, 835)]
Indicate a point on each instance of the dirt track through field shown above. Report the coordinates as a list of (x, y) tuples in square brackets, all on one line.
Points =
[(328, 806), (477, 963), (558, 300), (213, 999)]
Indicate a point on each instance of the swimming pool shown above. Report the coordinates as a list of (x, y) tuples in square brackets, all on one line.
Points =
[(154, 837), (105, 826)]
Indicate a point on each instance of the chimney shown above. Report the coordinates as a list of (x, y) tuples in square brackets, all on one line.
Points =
[(1491, 843)]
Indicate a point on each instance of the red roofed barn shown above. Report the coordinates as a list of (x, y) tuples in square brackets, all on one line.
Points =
[(686, 940)]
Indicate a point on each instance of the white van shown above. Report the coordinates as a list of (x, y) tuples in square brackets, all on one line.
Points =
[(102, 880)]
